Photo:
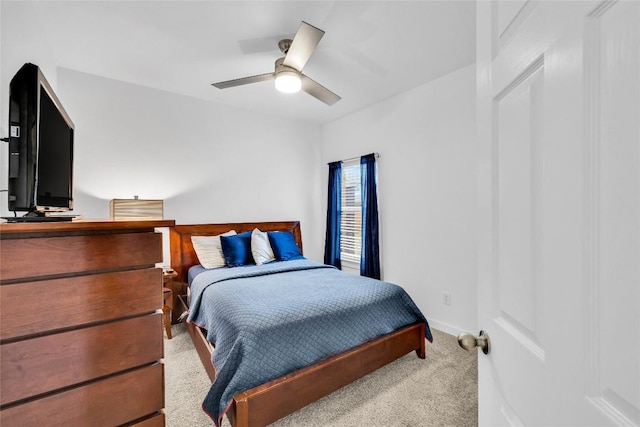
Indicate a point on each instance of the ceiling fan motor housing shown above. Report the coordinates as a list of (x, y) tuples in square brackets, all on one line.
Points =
[(280, 67), (284, 45)]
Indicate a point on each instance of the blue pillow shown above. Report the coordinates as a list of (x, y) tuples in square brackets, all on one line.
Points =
[(237, 249), (284, 245)]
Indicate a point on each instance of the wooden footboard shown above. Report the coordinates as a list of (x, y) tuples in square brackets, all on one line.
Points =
[(269, 402)]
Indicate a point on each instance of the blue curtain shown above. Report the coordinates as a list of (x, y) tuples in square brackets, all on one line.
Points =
[(334, 200), (370, 257)]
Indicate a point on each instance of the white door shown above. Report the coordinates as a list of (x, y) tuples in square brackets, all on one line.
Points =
[(559, 232)]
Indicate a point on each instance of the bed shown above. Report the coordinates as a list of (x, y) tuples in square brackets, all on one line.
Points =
[(277, 397)]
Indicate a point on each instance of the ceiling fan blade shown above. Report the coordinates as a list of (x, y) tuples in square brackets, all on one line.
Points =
[(244, 81), (318, 91), (304, 43)]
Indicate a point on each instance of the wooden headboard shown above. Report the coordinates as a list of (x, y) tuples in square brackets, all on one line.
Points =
[(183, 256)]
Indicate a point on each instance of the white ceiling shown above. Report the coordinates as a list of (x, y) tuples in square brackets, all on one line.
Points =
[(371, 50)]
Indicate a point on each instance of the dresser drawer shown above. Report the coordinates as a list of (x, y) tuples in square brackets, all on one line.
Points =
[(35, 307), (155, 421), (68, 255), (110, 402), (44, 364)]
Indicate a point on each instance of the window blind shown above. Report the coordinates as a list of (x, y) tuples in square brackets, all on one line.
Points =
[(351, 214)]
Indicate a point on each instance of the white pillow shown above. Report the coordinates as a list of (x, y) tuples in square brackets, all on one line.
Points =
[(209, 249), (260, 247)]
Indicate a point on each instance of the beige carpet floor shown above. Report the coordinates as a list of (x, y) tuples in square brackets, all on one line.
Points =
[(441, 390)]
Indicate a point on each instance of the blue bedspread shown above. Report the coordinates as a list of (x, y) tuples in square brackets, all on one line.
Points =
[(266, 321)]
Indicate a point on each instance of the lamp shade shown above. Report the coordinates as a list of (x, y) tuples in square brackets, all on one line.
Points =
[(288, 82), (136, 209)]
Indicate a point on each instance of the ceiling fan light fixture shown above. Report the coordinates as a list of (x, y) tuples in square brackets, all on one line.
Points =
[(288, 82)]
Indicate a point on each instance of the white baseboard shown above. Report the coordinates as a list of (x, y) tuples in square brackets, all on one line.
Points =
[(446, 328)]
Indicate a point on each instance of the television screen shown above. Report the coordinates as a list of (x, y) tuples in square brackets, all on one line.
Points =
[(40, 147), (55, 158)]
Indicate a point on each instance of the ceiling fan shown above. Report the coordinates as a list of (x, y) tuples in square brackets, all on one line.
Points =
[(288, 69)]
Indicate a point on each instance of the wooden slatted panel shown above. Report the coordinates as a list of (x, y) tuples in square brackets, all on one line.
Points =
[(114, 401), (48, 256), (136, 209), (48, 363), (82, 299)]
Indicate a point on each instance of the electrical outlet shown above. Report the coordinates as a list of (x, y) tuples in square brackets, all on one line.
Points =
[(446, 298)]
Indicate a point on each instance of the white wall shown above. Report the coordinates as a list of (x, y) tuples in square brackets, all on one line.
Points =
[(18, 45), (210, 163), (427, 191)]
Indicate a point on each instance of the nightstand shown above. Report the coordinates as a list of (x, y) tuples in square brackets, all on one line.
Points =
[(167, 299), (171, 281)]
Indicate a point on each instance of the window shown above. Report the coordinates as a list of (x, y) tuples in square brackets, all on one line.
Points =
[(351, 214)]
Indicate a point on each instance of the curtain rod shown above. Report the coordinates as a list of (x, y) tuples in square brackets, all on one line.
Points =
[(377, 155)]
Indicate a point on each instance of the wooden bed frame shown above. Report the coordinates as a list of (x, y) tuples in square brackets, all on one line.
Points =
[(275, 399)]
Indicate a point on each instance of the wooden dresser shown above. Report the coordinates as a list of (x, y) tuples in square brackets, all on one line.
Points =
[(81, 338)]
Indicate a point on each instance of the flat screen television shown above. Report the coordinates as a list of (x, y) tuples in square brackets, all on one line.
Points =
[(40, 149)]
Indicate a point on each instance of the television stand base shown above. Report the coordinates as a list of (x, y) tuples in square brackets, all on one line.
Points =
[(59, 218)]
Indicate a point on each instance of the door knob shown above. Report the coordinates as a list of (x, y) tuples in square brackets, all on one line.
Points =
[(469, 342)]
